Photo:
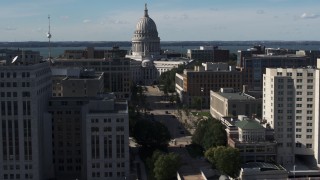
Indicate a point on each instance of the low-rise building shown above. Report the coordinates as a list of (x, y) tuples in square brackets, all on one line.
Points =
[(197, 83), (254, 141), (262, 170), (227, 102), (208, 54), (76, 82)]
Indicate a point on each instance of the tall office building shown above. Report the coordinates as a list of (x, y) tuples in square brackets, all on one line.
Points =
[(90, 137), (25, 138), (290, 107), (106, 139)]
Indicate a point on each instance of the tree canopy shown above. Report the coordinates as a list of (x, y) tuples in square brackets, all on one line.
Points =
[(151, 133), (225, 159), (166, 166), (210, 133), (167, 79)]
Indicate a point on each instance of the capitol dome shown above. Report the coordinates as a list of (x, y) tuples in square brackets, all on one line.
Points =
[(146, 25), (145, 41)]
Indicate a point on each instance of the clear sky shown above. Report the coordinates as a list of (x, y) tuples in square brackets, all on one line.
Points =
[(177, 20)]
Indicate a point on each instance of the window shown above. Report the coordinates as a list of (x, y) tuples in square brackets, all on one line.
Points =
[(309, 145), (299, 92), (310, 74), (309, 136), (289, 74), (309, 112), (309, 87), (299, 74), (298, 135), (299, 80), (309, 130), (309, 105), (309, 99), (298, 129), (299, 105), (310, 81), (298, 123), (309, 117), (298, 117), (309, 93), (299, 86), (299, 99), (298, 111)]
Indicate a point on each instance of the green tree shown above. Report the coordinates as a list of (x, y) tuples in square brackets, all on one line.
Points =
[(225, 159), (210, 133), (166, 166), (151, 133), (167, 79), (196, 102)]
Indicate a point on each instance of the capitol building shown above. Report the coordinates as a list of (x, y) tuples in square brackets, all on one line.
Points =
[(147, 62)]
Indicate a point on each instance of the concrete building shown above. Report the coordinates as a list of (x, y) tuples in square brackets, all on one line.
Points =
[(106, 139), (116, 72), (290, 107), (254, 141), (90, 137), (197, 83), (255, 66), (27, 56), (261, 170), (208, 54), (91, 53), (76, 82), (227, 102), (25, 138)]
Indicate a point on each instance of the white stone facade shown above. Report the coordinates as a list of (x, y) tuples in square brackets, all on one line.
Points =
[(289, 106), (106, 140)]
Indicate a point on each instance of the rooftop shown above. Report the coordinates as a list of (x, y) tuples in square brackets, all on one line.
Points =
[(248, 124), (262, 166), (236, 96)]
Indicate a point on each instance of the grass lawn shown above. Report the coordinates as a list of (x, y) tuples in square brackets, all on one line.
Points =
[(201, 114)]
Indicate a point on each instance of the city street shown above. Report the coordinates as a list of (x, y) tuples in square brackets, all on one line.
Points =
[(164, 112)]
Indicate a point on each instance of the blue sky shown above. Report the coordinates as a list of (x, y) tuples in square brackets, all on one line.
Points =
[(177, 20)]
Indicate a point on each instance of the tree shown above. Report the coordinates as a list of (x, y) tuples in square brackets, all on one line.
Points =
[(167, 79), (196, 102), (209, 133), (151, 133), (166, 166), (225, 159)]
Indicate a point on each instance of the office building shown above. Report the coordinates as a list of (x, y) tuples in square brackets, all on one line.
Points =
[(90, 137), (227, 102), (106, 139), (116, 72), (208, 54), (197, 83), (25, 138), (290, 107), (76, 82)]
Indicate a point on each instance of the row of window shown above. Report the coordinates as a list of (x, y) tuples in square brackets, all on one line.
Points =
[(298, 145), (107, 174), (14, 75), (307, 136), (298, 74), (17, 176)]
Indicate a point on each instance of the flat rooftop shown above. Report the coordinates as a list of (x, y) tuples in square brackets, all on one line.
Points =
[(236, 96)]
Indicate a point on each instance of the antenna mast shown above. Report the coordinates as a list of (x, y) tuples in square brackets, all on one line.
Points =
[(49, 37)]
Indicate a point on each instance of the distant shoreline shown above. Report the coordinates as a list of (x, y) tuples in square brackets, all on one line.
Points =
[(33, 44)]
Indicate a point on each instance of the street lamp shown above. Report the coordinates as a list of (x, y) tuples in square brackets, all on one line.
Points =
[(201, 89)]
